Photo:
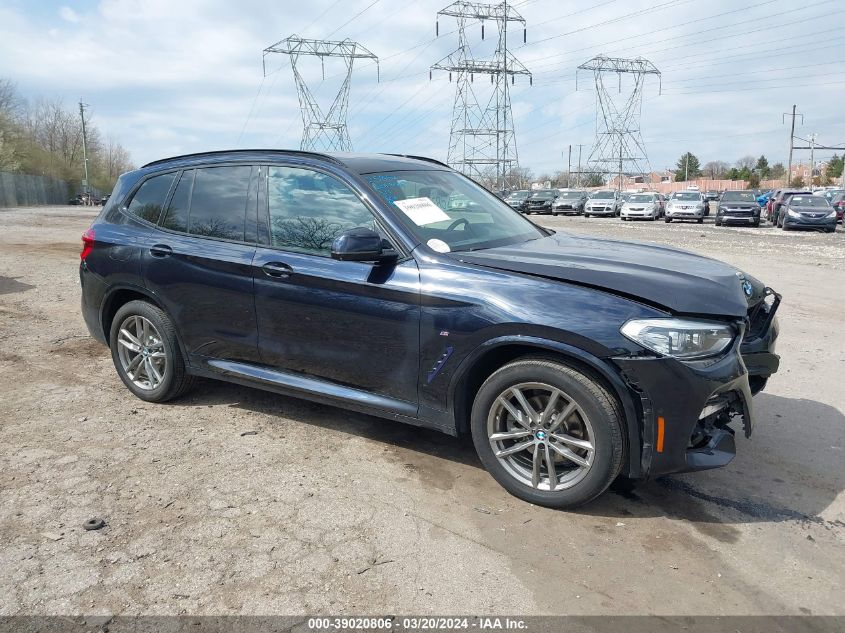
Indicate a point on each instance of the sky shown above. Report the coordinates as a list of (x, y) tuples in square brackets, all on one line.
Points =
[(173, 77)]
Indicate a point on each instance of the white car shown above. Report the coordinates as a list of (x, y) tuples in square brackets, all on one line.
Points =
[(641, 206), (686, 205), (604, 202)]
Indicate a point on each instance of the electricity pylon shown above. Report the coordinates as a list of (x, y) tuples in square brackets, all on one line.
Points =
[(482, 138), (619, 146), (327, 132)]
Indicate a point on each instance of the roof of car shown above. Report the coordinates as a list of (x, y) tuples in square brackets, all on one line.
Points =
[(357, 162)]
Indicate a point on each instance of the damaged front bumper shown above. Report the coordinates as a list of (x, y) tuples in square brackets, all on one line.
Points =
[(686, 407)]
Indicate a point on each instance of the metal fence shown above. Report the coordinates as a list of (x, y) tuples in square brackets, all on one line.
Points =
[(21, 190)]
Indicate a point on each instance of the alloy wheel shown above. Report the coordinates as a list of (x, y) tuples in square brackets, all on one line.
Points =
[(141, 352), (541, 436)]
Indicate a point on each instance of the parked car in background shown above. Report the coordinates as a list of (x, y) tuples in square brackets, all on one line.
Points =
[(516, 199), (776, 202), (104, 199), (838, 204), (540, 201), (711, 195), (807, 211), (831, 193), (641, 206), (570, 202), (605, 202), (352, 280), (686, 205), (738, 207)]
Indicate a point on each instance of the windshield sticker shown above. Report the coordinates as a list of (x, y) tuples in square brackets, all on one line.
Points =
[(422, 211), (438, 245)]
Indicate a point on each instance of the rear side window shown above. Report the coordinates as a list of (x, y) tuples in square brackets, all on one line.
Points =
[(218, 202), (176, 216), (148, 201)]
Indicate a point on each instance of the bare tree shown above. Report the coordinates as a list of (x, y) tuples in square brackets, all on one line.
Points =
[(716, 169), (746, 161)]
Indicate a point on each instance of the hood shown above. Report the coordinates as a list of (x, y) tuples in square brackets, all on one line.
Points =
[(544, 198), (677, 280)]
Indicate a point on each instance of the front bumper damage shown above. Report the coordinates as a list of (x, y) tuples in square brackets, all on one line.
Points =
[(687, 408)]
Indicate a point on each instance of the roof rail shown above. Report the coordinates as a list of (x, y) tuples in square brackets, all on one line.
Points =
[(289, 152), (425, 158)]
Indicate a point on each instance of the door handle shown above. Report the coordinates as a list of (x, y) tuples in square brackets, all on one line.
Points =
[(160, 250), (277, 269)]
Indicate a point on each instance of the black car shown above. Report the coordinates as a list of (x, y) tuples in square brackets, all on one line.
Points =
[(397, 287), (540, 201), (516, 199), (806, 212), (738, 207)]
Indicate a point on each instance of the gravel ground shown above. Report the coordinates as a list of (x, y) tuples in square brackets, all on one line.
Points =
[(233, 500)]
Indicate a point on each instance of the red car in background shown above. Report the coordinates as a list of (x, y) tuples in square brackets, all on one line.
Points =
[(838, 203)]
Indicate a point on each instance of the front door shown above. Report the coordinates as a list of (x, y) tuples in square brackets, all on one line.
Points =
[(351, 323)]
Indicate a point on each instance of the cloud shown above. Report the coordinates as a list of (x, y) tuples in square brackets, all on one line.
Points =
[(69, 15)]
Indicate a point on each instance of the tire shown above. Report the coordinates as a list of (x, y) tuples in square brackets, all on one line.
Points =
[(174, 379), (586, 215), (701, 220), (718, 223), (597, 418), (756, 224), (667, 220)]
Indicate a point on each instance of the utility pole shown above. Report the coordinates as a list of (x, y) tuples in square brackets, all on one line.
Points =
[(569, 168), (812, 140), (85, 186), (791, 140), (686, 172), (579, 165)]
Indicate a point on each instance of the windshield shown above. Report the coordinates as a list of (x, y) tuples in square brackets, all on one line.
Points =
[(739, 196), (603, 195), (544, 193), (450, 212), (686, 195), (570, 195), (641, 197), (808, 201), (518, 195)]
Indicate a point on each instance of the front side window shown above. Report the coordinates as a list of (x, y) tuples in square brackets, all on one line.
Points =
[(309, 209), (450, 212), (218, 202), (149, 199)]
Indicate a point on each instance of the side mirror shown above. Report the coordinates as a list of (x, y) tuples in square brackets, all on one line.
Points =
[(360, 245)]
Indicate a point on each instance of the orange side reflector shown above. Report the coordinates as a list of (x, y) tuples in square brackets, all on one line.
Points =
[(661, 429)]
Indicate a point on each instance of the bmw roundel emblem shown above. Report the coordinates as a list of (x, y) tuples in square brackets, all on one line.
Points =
[(541, 435), (747, 288)]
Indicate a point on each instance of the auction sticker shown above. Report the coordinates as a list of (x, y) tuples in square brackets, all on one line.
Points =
[(422, 211), (438, 245)]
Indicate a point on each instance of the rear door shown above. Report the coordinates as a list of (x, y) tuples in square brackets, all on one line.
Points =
[(199, 262)]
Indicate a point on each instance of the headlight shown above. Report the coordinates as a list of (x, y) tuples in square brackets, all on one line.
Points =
[(680, 338), (832, 214), (793, 214)]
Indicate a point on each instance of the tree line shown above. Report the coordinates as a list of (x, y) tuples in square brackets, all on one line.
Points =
[(753, 170), (44, 137)]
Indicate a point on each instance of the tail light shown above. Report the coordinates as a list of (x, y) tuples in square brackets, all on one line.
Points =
[(87, 244)]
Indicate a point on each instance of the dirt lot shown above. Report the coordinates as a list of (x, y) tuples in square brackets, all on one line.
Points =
[(321, 510)]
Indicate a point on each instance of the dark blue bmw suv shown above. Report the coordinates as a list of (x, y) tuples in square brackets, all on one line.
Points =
[(395, 286)]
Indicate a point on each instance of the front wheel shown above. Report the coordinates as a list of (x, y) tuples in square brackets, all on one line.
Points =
[(667, 220), (146, 353), (547, 433), (701, 220), (586, 215)]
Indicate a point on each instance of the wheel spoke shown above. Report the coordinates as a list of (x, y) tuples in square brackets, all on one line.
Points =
[(573, 441), (565, 452), (561, 417), (530, 413), (550, 465), (515, 448), (535, 468), (516, 415), (550, 407), (509, 435), (157, 355), (126, 339), (132, 367), (152, 373)]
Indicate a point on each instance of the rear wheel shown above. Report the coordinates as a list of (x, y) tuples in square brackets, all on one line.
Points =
[(146, 353), (547, 433)]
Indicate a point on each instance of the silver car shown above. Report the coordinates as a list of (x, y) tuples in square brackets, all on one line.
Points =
[(642, 206), (604, 202), (686, 205)]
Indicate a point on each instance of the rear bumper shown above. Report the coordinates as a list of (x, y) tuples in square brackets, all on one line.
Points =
[(93, 293)]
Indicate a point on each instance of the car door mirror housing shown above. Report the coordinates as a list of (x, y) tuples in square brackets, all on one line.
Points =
[(360, 245)]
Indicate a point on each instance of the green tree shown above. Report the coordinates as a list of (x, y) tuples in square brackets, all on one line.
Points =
[(593, 179), (753, 180), (834, 167), (777, 171), (688, 167), (762, 167), (796, 182)]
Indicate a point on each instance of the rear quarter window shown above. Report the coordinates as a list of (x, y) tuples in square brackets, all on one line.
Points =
[(218, 202), (148, 201)]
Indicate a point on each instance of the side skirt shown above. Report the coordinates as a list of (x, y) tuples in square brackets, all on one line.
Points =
[(322, 391)]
